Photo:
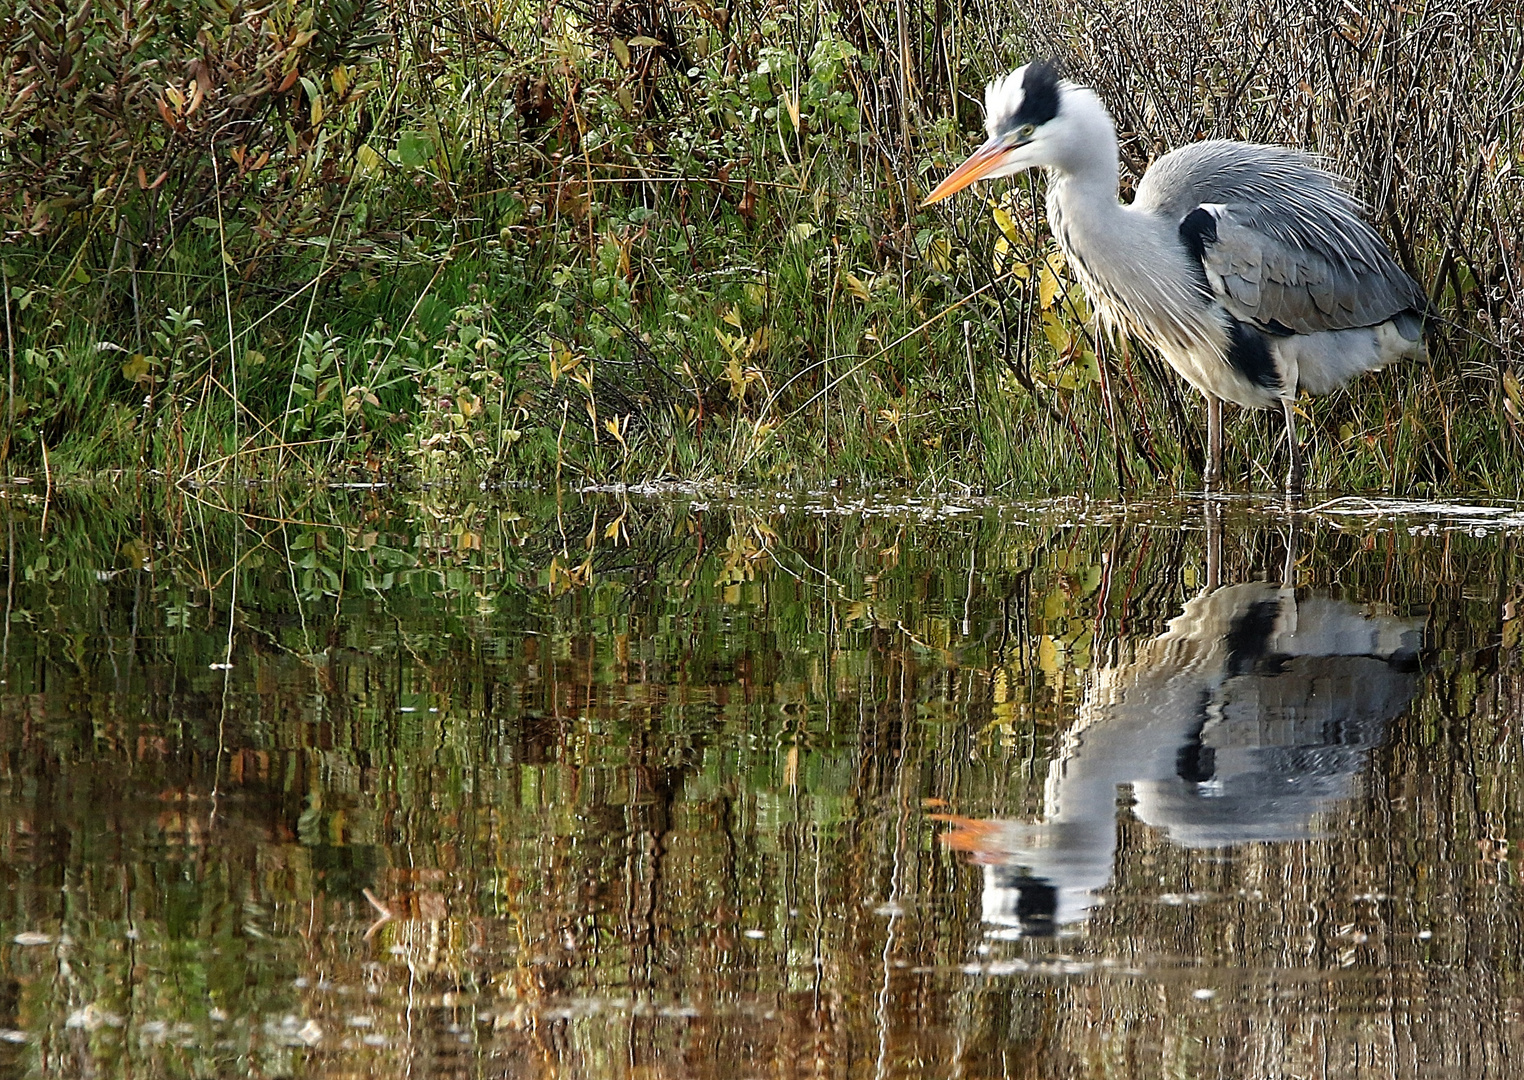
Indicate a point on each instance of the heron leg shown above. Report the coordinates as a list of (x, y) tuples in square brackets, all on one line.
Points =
[(1212, 511), (1213, 475), (1294, 477), (1288, 567)]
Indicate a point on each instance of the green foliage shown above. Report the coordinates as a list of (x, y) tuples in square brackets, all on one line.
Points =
[(640, 240)]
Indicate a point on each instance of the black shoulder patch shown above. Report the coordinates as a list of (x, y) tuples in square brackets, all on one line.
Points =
[(1197, 230), (1248, 353), (1039, 94), (1196, 762), (1248, 637)]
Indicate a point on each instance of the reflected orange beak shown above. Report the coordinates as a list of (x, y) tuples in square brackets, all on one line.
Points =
[(984, 161)]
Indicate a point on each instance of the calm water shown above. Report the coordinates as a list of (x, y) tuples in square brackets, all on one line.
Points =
[(662, 787)]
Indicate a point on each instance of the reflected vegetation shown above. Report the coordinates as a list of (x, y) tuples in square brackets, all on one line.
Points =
[(677, 786)]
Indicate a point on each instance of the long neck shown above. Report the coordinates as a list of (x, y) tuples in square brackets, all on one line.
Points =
[(1083, 208), (1082, 175), (1130, 262)]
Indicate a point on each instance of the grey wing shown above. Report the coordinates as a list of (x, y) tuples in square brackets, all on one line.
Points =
[(1281, 245)]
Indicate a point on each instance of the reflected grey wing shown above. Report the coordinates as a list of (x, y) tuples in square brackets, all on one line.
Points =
[(1281, 245)]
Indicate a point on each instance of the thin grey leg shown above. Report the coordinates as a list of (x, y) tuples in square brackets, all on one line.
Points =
[(1213, 475), (1294, 477)]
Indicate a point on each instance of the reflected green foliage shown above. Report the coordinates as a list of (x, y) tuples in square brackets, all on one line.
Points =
[(605, 786)]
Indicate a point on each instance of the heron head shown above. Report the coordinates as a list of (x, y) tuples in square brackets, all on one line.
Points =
[(1020, 115)]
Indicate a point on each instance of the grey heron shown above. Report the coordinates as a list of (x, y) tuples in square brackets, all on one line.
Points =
[(1248, 267), (1256, 710)]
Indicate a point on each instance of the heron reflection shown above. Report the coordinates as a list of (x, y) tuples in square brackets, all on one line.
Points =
[(1253, 712)]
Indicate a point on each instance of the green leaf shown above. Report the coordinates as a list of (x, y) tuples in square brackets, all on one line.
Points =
[(414, 149)]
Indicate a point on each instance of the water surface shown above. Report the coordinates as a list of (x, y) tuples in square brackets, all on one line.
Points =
[(678, 784)]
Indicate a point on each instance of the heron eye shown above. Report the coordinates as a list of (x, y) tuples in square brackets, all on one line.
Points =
[(1026, 131)]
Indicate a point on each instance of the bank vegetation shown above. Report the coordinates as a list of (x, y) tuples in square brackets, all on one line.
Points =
[(608, 241)]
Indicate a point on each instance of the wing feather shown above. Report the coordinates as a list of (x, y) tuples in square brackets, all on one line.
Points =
[(1290, 249)]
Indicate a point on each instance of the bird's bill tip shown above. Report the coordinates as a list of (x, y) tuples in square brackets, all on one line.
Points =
[(980, 164)]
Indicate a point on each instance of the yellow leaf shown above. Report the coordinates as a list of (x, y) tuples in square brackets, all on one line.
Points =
[(939, 251), (1057, 333), (791, 103), (562, 361), (1048, 658), (136, 370), (314, 101), (1006, 223), (645, 42), (621, 51), (138, 553), (617, 427), (1047, 286), (736, 378), (1088, 368), (369, 160)]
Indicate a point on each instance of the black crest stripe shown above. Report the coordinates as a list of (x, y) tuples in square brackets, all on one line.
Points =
[(1039, 94)]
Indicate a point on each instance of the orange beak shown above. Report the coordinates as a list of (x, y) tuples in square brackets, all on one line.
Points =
[(984, 161)]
